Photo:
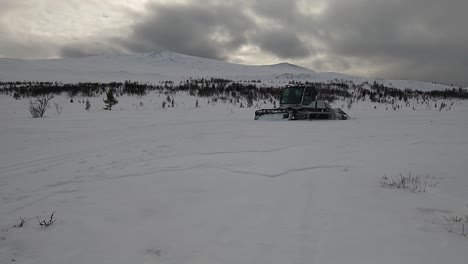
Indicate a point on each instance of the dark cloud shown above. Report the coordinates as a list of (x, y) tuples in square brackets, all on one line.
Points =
[(417, 39), (282, 43), (278, 10), (206, 31), (74, 52), (212, 31), (413, 39), (82, 49)]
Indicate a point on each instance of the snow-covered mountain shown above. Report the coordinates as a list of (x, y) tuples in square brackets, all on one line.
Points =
[(165, 66)]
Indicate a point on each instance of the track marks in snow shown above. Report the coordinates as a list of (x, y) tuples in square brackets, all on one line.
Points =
[(247, 151), (225, 168), (169, 169), (286, 171), (70, 156)]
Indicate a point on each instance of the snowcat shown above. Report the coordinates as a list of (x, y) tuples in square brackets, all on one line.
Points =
[(299, 103)]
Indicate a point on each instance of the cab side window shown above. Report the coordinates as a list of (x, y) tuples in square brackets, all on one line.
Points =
[(308, 97)]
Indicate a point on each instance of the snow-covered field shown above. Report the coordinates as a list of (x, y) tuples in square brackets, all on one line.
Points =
[(140, 184)]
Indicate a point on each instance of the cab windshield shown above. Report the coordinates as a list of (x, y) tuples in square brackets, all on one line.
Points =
[(292, 95)]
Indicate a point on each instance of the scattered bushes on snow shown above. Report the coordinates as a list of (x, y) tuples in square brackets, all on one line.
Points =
[(45, 222), (456, 225), (39, 105), (21, 223), (156, 252), (250, 93), (409, 182), (88, 105)]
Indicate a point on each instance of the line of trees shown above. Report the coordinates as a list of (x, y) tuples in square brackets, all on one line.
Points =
[(226, 90)]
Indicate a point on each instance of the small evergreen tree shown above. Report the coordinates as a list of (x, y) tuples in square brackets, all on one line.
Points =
[(110, 101), (88, 105), (249, 101)]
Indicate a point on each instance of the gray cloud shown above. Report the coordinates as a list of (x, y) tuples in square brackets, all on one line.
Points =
[(82, 49), (212, 31), (20, 49), (282, 43), (278, 10), (411, 39), (206, 31), (43, 28)]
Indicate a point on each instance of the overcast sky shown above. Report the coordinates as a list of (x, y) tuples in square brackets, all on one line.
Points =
[(393, 39)]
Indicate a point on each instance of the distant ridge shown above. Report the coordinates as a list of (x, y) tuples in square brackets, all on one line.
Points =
[(169, 66)]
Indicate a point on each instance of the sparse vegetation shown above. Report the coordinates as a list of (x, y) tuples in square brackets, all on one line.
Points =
[(249, 92), (110, 100), (39, 105), (413, 183), (88, 105), (21, 223), (156, 252), (46, 222), (456, 224)]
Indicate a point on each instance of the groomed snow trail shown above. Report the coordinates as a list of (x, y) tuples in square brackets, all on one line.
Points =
[(205, 186)]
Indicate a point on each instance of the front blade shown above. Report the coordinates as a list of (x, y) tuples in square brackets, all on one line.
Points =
[(271, 114)]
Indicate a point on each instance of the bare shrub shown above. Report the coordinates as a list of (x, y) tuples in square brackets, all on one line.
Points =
[(20, 224), (39, 106), (58, 108), (156, 252), (409, 182), (457, 223), (45, 222), (88, 105)]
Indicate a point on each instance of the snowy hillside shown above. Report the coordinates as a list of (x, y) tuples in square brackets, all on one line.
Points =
[(164, 66), (179, 172)]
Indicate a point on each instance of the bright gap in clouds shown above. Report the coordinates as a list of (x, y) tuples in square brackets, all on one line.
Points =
[(311, 8)]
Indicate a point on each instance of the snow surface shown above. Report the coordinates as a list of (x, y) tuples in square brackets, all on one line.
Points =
[(169, 66), (140, 184)]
